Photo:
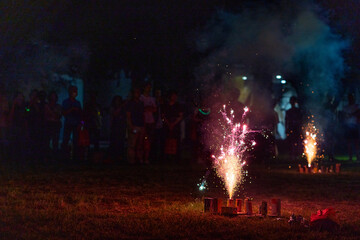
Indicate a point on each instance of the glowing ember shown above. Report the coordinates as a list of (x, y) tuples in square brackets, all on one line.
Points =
[(230, 160), (310, 143)]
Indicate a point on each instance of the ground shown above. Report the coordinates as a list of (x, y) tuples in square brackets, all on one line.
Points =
[(113, 201)]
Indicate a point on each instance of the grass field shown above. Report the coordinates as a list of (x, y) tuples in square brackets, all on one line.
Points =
[(164, 202)]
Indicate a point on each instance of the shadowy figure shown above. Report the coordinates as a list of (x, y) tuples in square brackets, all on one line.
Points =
[(172, 114), (149, 110), (159, 136), (35, 115), (42, 139), (52, 125), (351, 126), (135, 123), (4, 124), (293, 125), (117, 128), (200, 117), (93, 120), (19, 128), (263, 119), (72, 114), (329, 111)]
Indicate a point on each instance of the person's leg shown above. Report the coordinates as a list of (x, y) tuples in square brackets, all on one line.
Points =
[(75, 143), (65, 142), (131, 146), (292, 148), (159, 142), (96, 140), (48, 137), (55, 137), (148, 141), (139, 145)]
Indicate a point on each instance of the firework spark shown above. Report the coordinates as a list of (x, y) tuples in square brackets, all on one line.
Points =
[(310, 143), (230, 161)]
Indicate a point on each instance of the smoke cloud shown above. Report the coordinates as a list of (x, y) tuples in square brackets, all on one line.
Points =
[(259, 42)]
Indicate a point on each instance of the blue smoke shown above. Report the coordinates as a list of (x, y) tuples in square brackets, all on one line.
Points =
[(260, 42), (296, 41)]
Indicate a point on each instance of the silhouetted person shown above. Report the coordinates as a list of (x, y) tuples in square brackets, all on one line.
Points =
[(293, 125), (19, 128), (149, 110), (351, 126), (159, 136), (117, 128), (93, 120), (42, 139), (135, 123), (200, 118), (172, 114), (271, 119), (35, 113), (53, 112), (331, 125), (4, 124), (72, 114)]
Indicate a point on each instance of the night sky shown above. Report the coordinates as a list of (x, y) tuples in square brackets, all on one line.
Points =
[(145, 37)]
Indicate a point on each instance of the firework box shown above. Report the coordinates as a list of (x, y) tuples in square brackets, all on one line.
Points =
[(248, 206), (238, 205), (208, 205), (217, 205), (231, 203), (229, 211), (275, 205), (263, 208)]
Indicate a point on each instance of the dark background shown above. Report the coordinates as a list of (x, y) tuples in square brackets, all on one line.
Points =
[(145, 37)]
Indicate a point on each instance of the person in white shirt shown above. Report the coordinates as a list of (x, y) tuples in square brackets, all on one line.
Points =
[(149, 110)]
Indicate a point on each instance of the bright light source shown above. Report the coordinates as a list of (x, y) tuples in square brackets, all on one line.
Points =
[(283, 81), (244, 78), (278, 76)]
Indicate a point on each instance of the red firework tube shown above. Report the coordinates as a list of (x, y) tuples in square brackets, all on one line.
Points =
[(263, 208), (248, 206), (231, 202), (238, 205), (218, 202), (301, 170), (337, 167), (228, 211), (275, 207), (208, 205)]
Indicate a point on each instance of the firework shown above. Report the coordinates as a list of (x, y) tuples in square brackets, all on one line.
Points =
[(310, 143), (230, 161)]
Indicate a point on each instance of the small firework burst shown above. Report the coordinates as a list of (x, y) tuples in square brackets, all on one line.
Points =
[(230, 159), (310, 143)]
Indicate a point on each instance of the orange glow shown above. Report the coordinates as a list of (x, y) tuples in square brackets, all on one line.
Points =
[(230, 161), (310, 143)]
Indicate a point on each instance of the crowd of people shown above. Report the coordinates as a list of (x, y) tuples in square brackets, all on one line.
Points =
[(144, 129)]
